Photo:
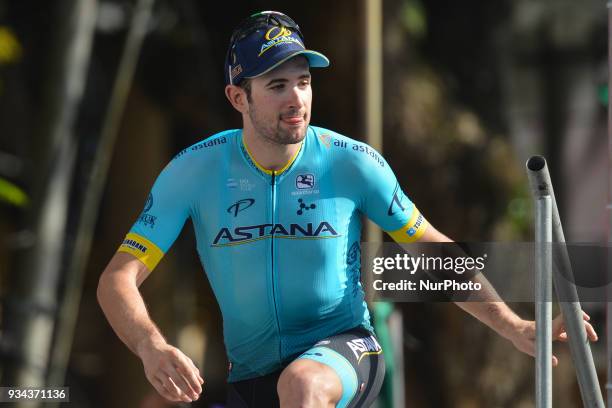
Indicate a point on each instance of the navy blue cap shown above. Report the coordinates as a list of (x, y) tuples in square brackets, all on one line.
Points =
[(263, 42)]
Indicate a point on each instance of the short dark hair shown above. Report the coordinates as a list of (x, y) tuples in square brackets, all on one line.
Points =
[(245, 84)]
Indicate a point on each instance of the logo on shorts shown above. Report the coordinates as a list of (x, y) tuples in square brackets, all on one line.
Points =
[(312, 354), (364, 346), (303, 181)]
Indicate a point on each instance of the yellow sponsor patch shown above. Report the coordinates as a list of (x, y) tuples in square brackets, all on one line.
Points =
[(413, 230), (146, 251)]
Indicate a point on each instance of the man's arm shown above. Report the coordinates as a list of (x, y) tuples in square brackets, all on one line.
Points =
[(171, 372), (383, 201), (488, 307)]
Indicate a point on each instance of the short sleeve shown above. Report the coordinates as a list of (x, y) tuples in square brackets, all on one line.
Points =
[(384, 201), (162, 219)]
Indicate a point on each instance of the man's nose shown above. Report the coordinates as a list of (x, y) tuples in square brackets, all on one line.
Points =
[(295, 97)]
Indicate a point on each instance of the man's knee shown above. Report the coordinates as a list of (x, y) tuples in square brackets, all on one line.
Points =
[(306, 383)]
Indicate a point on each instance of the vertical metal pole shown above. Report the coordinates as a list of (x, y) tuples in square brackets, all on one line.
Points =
[(609, 208), (540, 184), (372, 108), (543, 301), (373, 89), (373, 113), (396, 330)]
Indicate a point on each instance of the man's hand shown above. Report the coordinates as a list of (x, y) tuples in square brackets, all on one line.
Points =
[(524, 336), (171, 372)]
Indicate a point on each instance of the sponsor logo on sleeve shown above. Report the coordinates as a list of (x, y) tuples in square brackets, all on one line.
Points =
[(131, 243), (146, 218), (396, 201), (413, 230), (149, 203), (143, 249), (210, 142), (363, 148)]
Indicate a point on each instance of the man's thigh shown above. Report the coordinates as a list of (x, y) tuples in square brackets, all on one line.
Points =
[(356, 358)]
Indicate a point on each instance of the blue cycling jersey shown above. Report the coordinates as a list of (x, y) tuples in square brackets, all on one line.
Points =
[(280, 248)]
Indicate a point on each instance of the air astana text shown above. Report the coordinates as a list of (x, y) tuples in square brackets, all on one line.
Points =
[(250, 233)]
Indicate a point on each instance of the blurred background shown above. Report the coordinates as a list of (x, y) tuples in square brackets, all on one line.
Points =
[(96, 96)]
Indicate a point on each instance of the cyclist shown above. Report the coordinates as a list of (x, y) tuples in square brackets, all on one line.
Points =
[(276, 208)]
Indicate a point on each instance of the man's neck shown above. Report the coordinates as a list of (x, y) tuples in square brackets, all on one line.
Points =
[(269, 155)]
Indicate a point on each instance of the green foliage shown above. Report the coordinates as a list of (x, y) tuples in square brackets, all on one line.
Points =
[(520, 212), (10, 48), (12, 194), (602, 94), (414, 19)]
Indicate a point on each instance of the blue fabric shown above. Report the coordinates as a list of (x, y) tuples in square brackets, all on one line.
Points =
[(264, 49), (281, 251)]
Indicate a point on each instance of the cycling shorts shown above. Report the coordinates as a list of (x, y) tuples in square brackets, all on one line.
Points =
[(356, 357)]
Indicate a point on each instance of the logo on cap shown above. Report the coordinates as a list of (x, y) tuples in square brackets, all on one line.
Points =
[(281, 32), (237, 70), (276, 36)]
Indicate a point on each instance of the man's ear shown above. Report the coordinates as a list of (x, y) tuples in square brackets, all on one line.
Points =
[(237, 97)]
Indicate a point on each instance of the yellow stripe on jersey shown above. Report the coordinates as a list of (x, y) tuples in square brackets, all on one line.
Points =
[(267, 171), (146, 251), (413, 230)]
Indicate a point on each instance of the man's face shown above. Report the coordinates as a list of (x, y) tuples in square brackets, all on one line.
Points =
[(279, 109)]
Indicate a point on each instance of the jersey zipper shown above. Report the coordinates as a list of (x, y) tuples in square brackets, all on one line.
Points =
[(274, 286)]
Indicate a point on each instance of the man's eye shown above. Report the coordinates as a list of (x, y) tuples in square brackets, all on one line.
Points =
[(278, 87)]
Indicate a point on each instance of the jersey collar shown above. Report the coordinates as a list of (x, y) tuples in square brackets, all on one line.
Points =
[(247, 154)]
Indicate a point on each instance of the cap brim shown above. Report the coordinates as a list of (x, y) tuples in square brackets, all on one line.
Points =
[(315, 60)]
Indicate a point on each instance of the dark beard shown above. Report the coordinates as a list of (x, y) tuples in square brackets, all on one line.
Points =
[(277, 135)]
